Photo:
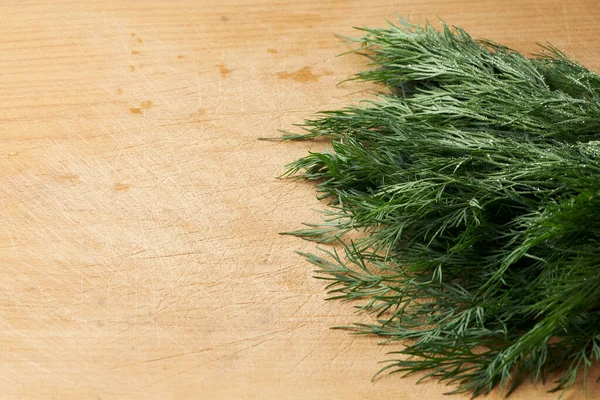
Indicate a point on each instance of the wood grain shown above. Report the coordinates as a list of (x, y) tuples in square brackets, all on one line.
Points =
[(140, 215)]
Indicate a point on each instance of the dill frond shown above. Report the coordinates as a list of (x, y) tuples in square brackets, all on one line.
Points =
[(475, 176)]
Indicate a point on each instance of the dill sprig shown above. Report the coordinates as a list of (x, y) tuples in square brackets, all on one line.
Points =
[(475, 178)]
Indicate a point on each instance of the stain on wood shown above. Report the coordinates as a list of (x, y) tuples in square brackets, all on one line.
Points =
[(303, 75), (121, 187), (144, 105), (68, 179), (224, 71)]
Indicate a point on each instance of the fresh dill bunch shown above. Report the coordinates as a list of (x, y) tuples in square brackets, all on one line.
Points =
[(475, 179)]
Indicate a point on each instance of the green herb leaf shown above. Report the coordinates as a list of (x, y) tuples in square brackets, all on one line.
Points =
[(475, 177)]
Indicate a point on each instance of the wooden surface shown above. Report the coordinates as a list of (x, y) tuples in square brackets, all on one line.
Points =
[(139, 246)]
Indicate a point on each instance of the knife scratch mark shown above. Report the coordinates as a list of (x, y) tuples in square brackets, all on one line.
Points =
[(198, 87), (265, 338)]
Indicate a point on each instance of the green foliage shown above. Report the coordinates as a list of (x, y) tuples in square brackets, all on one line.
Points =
[(476, 181)]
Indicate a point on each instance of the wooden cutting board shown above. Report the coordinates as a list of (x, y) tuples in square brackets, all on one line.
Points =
[(139, 246)]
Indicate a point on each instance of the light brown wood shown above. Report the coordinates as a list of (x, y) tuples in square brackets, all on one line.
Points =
[(139, 246)]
